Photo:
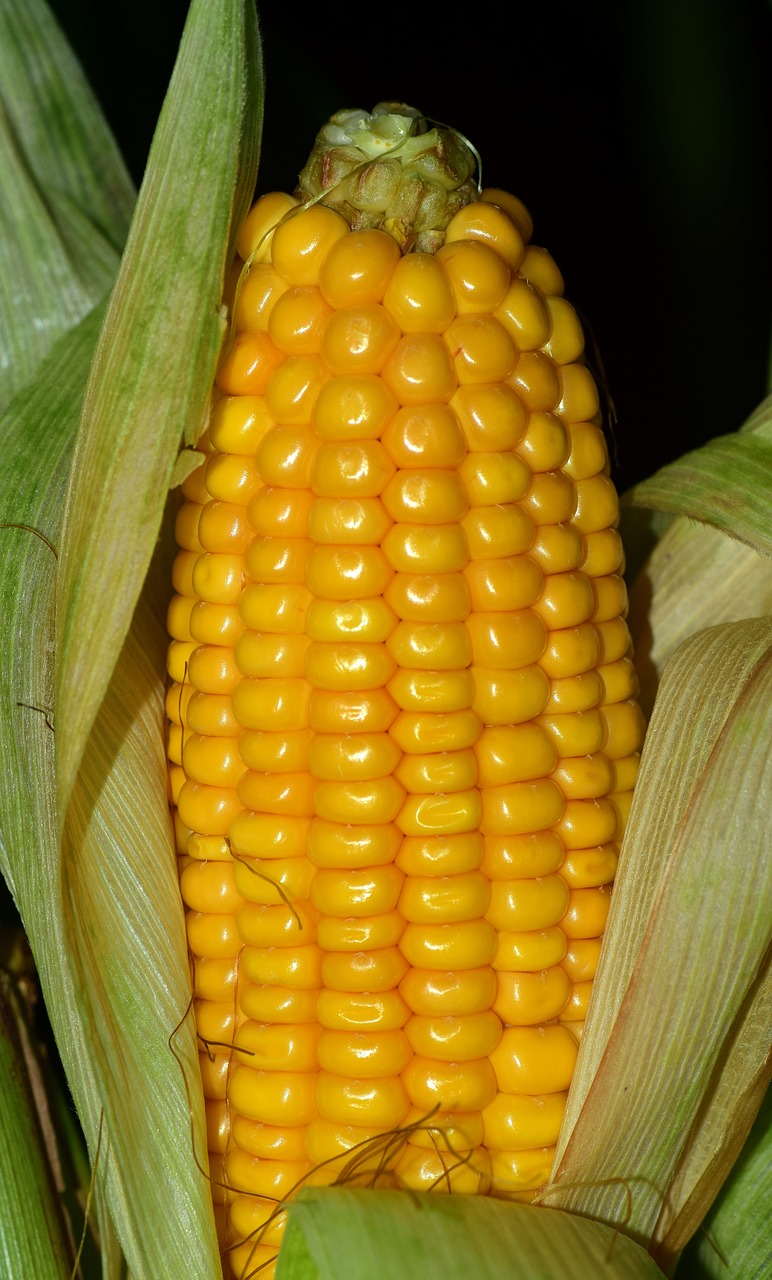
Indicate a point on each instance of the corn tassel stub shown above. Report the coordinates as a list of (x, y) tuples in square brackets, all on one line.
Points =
[(403, 732)]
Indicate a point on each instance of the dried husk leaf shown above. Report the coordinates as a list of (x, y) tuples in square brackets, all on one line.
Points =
[(688, 935)]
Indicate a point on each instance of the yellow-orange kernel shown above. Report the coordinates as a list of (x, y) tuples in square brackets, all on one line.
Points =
[(539, 268), (297, 321), (449, 993), (293, 387), (348, 572), (258, 291), (478, 276), (248, 364), (254, 235), (426, 435), (443, 855), (361, 1011), (371, 891), (382, 1102), (467, 1086), (212, 760), (369, 711), (359, 340), (492, 226), (364, 1054), (524, 314), (509, 697), (358, 268), (357, 407), (586, 914), (526, 999), (419, 295), (362, 521), (517, 856), (585, 777), (517, 905), (588, 453), (273, 1095), (534, 1060), (351, 469), (445, 898), (367, 620), (493, 479), (517, 212), (480, 348), (301, 243), (466, 944), (517, 1122), (218, 578), (503, 584), (264, 835), (536, 381), (530, 950), (283, 512)]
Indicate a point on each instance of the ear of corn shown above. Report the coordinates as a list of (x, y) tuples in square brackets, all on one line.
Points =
[(403, 730)]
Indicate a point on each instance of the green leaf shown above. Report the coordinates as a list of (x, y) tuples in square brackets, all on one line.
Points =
[(335, 1234), (157, 355), (726, 483), (66, 194), (688, 935)]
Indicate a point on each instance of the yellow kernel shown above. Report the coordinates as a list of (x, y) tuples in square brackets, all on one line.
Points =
[(578, 400), (291, 793), (271, 654), (492, 479), (301, 243), (273, 1142), (441, 1170), (420, 370), (509, 697), (194, 487), (326, 1139), (209, 887), (278, 1004), (588, 868), (381, 1102), (571, 651), (258, 291), (361, 1011), (178, 659), (332, 845), (273, 1096), (544, 445), (430, 692), (506, 639), (426, 548), (212, 760), (550, 498), (513, 753), (447, 855), (467, 1086), (211, 714), (351, 469), (478, 275), (516, 1175), (357, 407), (566, 601), (539, 268), (254, 234), (362, 521), (519, 807), (254, 1176), (614, 639), (586, 913), (360, 933), (364, 971), (431, 646), (208, 810), (597, 504), (271, 704), (297, 967), (359, 340), (348, 666), (578, 1002), (604, 553), (368, 711), (440, 814), (610, 598), (425, 497), (285, 456), (366, 892), (366, 620), (536, 381), (425, 435), (274, 607), (481, 349), (293, 388), (492, 417), (215, 1020), (186, 526), (248, 364), (454, 1038), (526, 999), (516, 856), (624, 727), (280, 512), (445, 898), (211, 935), (215, 623), (504, 584), (231, 478), (419, 295), (442, 993), (575, 693), (276, 925), (530, 950), (497, 532), (534, 1060), (619, 680), (374, 801), (490, 225), (363, 1055), (347, 572), (624, 772), (517, 905), (524, 314), (465, 944), (588, 454), (297, 321), (277, 559), (223, 527), (566, 340), (518, 1122), (358, 268), (442, 597), (584, 777), (277, 880), (519, 215), (345, 757), (218, 578), (427, 731), (581, 959)]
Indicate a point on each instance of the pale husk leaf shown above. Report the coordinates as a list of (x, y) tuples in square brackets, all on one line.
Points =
[(688, 933), (335, 1234), (156, 357), (67, 197)]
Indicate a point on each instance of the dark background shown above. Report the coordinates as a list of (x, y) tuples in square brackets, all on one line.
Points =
[(637, 134)]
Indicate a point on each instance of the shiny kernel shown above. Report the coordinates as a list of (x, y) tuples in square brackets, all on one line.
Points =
[(212, 669), (426, 548), (491, 226), (273, 881), (566, 340), (255, 233), (366, 892), (293, 388), (360, 933), (585, 777), (186, 527), (275, 607), (302, 242), (358, 268), (521, 218), (231, 478), (587, 911), (297, 321), (278, 1004), (509, 697), (442, 597), (215, 1020), (491, 417), (211, 713), (520, 807), (208, 810), (382, 1102), (359, 340), (331, 845), (419, 295), (578, 1002), (493, 479), (571, 651), (581, 959), (559, 548), (258, 292), (448, 855), (280, 512), (420, 370), (364, 620), (518, 1122), (353, 408), (614, 638), (362, 1011), (364, 1054), (254, 1176), (440, 993), (467, 944), (576, 733), (603, 553), (439, 772), (578, 401), (223, 527), (624, 772), (273, 1096), (545, 444), (209, 887), (215, 936), (194, 488), (619, 680), (277, 559), (248, 364), (441, 1170), (377, 801), (271, 654), (362, 521), (281, 925), (550, 498), (178, 659), (271, 704), (526, 999), (215, 623), (352, 469), (478, 275), (497, 532), (464, 1086), (432, 691), (426, 731), (530, 950), (540, 269), (498, 586), (531, 854), (425, 497), (348, 572), (215, 978), (566, 601), (597, 504), (516, 1175), (624, 726), (454, 1038), (588, 454), (327, 1139), (517, 905), (369, 711), (215, 761), (218, 578), (524, 314), (426, 435), (445, 899), (364, 971), (297, 967), (513, 753), (480, 348), (587, 822), (430, 646), (291, 793), (534, 1060), (349, 757), (575, 693), (589, 868), (348, 666), (536, 382)]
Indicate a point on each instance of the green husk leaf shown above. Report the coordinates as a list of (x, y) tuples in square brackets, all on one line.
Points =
[(688, 935), (335, 1234), (33, 1237), (67, 196), (726, 483), (157, 355)]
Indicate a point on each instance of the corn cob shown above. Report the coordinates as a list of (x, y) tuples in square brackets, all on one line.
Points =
[(403, 734)]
